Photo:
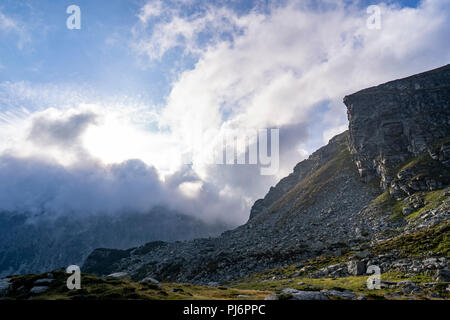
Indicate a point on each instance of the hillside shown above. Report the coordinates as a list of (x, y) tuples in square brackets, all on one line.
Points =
[(377, 194)]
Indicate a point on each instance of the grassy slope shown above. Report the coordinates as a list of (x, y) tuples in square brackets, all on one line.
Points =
[(96, 288), (306, 192)]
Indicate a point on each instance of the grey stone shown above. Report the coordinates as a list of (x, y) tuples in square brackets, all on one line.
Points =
[(271, 297), (213, 284), (389, 125), (119, 275), (356, 268), (407, 210), (38, 289), (44, 281), (289, 291), (305, 295), (362, 254), (387, 284), (406, 283), (443, 275), (151, 280), (346, 295)]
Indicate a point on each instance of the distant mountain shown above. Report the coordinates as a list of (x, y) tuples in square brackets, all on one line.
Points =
[(375, 194), (39, 244)]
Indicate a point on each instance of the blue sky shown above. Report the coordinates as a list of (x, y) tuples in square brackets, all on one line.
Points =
[(57, 54), (97, 55), (143, 78)]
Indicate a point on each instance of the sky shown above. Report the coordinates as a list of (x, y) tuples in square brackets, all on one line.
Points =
[(98, 119)]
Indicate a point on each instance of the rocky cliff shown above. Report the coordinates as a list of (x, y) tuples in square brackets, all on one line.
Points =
[(374, 194), (398, 120)]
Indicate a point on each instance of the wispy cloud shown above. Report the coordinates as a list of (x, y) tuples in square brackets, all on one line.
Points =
[(149, 10), (175, 29), (8, 25)]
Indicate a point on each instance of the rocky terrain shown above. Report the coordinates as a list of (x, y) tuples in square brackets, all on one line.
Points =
[(375, 195)]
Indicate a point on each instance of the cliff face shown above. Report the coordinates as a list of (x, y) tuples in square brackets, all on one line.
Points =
[(395, 121)]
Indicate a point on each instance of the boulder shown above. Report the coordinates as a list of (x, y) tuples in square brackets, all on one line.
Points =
[(345, 295), (119, 275), (44, 281), (304, 295), (213, 284), (443, 275), (356, 268), (407, 210), (362, 254), (150, 280), (271, 297), (38, 289)]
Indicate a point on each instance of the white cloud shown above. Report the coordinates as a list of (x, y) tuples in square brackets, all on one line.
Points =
[(7, 24), (280, 69), (178, 30), (69, 156), (289, 67), (149, 10)]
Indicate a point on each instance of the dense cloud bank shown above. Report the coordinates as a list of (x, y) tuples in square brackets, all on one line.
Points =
[(283, 64)]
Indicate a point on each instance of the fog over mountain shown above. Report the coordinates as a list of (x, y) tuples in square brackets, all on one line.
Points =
[(47, 243)]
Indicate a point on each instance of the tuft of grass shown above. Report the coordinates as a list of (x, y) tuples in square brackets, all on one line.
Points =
[(431, 200), (432, 239), (386, 203)]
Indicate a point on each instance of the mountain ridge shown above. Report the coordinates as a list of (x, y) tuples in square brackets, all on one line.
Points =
[(326, 206)]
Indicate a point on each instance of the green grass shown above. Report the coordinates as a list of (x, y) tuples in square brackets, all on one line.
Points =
[(430, 240), (307, 190), (422, 160), (96, 288), (357, 284), (388, 204), (431, 200)]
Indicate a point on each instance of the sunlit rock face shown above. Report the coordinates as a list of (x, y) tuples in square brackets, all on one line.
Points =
[(398, 120)]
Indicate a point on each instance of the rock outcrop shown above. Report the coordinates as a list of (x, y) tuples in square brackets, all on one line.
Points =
[(395, 121)]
